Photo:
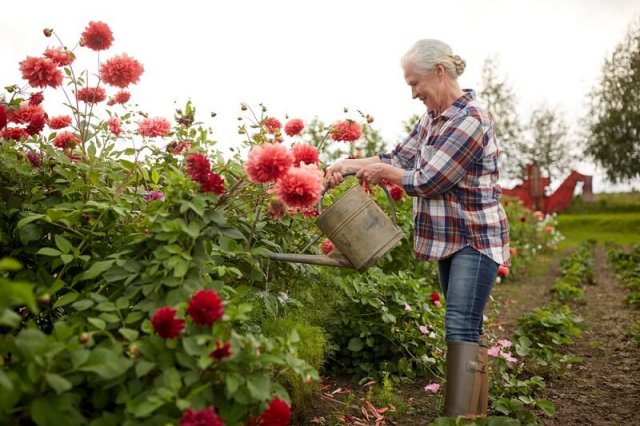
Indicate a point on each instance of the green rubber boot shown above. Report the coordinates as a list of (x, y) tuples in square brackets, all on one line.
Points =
[(464, 380)]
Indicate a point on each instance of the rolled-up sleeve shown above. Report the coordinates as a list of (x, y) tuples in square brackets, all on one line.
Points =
[(455, 150)]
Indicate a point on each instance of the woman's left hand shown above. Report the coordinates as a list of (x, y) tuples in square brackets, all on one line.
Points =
[(372, 173)]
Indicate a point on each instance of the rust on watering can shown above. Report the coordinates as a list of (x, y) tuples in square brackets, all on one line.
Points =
[(360, 230)]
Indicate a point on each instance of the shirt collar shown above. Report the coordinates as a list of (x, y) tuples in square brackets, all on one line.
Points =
[(457, 105)]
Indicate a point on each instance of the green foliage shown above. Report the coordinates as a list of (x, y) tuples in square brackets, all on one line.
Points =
[(576, 270), (313, 347), (626, 264), (377, 326), (543, 333), (613, 118), (621, 202)]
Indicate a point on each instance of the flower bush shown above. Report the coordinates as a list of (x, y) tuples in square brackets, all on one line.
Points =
[(134, 286)]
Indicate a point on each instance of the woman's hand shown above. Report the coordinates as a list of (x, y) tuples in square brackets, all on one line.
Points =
[(333, 173), (374, 173)]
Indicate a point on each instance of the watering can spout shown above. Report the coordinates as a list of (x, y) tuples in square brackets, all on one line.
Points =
[(339, 261)]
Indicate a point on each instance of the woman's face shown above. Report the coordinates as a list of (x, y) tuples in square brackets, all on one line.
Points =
[(425, 86)]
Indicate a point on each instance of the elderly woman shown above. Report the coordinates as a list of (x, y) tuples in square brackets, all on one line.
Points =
[(449, 164)]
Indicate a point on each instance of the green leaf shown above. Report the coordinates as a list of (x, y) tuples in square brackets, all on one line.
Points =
[(65, 299), (27, 220), (97, 323), (9, 318), (30, 233), (143, 367), (355, 344), (106, 364), (83, 304), (232, 382), (5, 381), (9, 264), (58, 383), (149, 406), (49, 251), (129, 334), (259, 386), (66, 258), (63, 244), (96, 269), (546, 406)]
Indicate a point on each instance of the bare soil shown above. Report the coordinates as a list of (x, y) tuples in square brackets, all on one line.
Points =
[(602, 390)]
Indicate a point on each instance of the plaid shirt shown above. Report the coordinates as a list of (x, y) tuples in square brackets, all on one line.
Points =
[(451, 170)]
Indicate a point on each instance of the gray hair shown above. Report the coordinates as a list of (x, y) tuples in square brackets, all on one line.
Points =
[(426, 54)]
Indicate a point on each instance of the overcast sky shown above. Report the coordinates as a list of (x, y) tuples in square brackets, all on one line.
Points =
[(313, 58)]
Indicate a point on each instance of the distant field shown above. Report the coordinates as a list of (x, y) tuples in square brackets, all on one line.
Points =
[(623, 228), (608, 217)]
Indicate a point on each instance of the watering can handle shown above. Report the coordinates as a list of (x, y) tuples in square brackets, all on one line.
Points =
[(384, 188)]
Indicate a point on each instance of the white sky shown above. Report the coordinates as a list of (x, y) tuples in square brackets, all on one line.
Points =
[(313, 58)]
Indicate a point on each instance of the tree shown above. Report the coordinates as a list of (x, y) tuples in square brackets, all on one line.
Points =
[(613, 121), (499, 99), (546, 142)]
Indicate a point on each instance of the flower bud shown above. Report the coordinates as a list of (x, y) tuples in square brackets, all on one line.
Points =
[(84, 338), (48, 32), (44, 300)]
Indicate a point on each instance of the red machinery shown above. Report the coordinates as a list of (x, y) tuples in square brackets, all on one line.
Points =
[(532, 190)]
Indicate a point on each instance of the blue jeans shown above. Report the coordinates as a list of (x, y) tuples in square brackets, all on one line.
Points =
[(466, 278)]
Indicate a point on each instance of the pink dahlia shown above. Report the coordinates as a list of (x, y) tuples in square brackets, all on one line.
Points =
[(272, 124), (114, 126), (347, 131), (277, 413), (327, 246), (152, 127), (178, 147), (503, 271), (59, 122), (165, 323), (26, 113), (97, 36), (153, 196), (121, 71), (301, 186), (205, 307), (36, 98), (205, 417), (122, 97), (268, 163), (92, 95), (59, 56), (293, 127), (14, 133), (306, 154), (66, 140), (36, 125), (40, 72)]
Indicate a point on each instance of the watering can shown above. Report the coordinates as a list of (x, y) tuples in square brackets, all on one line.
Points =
[(360, 230)]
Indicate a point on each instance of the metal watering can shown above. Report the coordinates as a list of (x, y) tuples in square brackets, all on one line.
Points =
[(357, 226)]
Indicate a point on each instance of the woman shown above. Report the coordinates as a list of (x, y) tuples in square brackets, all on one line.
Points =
[(449, 164)]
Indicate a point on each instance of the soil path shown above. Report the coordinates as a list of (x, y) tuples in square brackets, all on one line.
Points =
[(605, 388)]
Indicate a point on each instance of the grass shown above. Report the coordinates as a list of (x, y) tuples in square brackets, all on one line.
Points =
[(611, 217), (619, 227)]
